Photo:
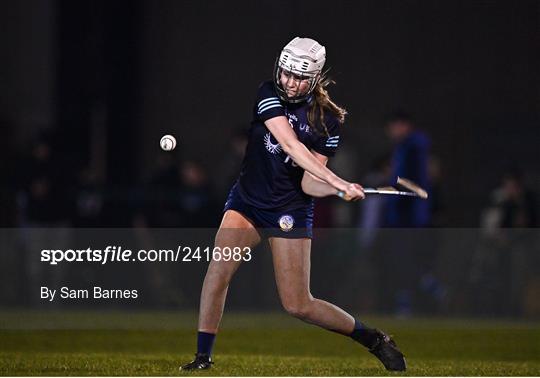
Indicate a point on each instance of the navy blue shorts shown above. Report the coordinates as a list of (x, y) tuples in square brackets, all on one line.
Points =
[(290, 224)]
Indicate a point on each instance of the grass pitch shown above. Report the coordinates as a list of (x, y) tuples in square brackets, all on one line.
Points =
[(121, 343)]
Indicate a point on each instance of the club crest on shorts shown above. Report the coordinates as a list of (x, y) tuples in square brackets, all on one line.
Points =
[(286, 222)]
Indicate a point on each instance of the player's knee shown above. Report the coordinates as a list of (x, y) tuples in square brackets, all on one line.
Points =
[(298, 308)]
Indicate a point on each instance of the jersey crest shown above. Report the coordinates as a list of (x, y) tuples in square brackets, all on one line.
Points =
[(273, 148)]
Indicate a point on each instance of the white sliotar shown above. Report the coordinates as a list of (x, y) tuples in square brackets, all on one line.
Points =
[(167, 143)]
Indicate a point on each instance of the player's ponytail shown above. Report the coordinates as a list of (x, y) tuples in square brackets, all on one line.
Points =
[(322, 103)]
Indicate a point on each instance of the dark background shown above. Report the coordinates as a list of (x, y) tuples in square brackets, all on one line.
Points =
[(112, 77)]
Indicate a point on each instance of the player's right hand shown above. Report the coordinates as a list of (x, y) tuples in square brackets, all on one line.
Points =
[(350, 191)]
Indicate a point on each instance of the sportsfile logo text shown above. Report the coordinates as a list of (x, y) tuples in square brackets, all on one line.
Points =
[(121, 255)]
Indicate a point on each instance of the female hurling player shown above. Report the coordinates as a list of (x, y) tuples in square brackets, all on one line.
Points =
[(294, 130)]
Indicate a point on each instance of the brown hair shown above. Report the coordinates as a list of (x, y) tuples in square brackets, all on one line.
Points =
[(322, 103)]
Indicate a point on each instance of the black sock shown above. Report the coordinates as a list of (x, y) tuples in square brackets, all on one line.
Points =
[(363, 334), (205, 342)]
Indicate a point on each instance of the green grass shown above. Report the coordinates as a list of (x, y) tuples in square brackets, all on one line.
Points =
[(118, 343)]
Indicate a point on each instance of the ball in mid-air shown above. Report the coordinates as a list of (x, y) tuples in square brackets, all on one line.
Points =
[(167, 143)]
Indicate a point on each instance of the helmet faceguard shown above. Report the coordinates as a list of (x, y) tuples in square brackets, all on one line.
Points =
[(302, 59)]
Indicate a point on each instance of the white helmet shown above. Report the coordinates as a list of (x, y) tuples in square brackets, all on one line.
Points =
[(303, 57)]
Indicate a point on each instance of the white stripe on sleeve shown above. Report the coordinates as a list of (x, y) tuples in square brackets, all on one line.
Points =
[(269, 106)]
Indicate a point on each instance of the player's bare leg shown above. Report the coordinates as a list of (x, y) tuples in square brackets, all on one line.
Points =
[(235, 231), (292, 264)]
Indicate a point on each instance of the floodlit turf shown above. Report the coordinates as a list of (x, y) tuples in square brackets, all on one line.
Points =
[(255, 344)]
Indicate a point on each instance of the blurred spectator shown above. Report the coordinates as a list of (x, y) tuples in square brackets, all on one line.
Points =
[(406, 257), (502, 266), (160, 206), (43, 207), (42, 195), (88, 201), (197, 204), (179, 196), (512, 204), (229, 168), (409, 160)]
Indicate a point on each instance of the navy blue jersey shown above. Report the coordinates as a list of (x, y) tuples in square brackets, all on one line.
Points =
[(269, 178)]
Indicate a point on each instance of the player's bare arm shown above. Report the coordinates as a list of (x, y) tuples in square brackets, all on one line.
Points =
[(316, 187), (281, 130)]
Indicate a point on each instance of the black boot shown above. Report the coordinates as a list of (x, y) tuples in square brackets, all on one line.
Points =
[(385, 349), (201, 362)]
